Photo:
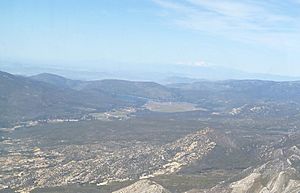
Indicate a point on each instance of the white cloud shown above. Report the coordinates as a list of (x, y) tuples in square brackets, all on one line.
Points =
[(228, 8), (199, 63), (263, 22)]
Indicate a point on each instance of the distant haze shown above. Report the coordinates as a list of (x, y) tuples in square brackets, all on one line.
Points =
[(173, 73), (152, 38)]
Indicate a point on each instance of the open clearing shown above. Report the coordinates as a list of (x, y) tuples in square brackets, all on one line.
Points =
[(171, 107)]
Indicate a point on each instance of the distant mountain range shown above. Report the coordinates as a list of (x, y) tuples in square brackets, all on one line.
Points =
[(52, 96), (48, 95), (166, 73), (24, 98)]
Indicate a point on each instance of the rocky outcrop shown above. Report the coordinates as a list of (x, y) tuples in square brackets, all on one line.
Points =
[(143, 186), (278, 175), (273, 177), (185, 151)]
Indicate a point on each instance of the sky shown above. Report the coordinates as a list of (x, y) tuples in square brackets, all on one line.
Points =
[(248, 35)]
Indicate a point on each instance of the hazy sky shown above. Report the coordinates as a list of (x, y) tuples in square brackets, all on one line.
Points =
[(251, 35)]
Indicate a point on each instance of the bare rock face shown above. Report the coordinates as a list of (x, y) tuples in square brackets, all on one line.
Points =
[(272, 177), (143, 186), (212, 190), (279, 175), (264, 179)]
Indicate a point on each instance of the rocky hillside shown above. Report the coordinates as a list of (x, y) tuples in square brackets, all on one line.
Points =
[(279, 175), (122, 160)]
